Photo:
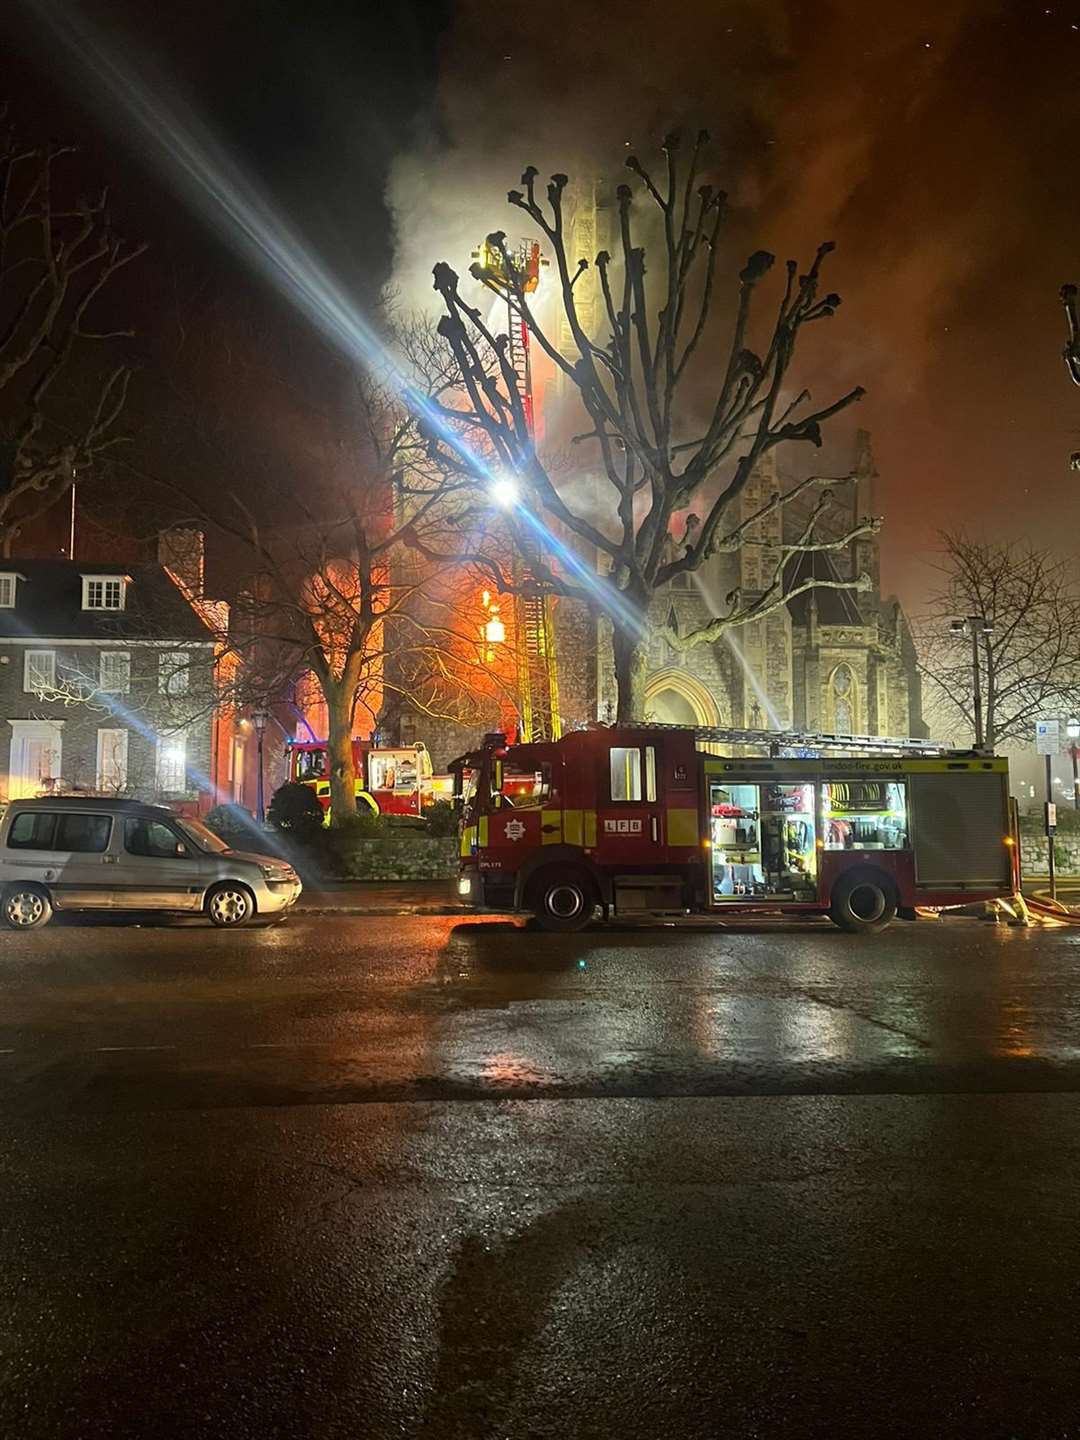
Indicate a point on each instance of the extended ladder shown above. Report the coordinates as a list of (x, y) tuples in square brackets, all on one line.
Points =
[(537, 671), (791, 744), (538, 682)]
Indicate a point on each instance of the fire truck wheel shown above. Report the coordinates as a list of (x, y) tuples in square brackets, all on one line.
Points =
[(863, 902), (563, 899)]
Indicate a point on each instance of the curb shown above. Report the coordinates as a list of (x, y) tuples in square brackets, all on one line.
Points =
[(380, 910)]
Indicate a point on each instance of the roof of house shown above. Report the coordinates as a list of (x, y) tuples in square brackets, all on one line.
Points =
[(834, 607), (49, 605)]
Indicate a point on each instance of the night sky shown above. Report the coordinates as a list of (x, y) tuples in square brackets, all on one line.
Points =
[(934, 142)]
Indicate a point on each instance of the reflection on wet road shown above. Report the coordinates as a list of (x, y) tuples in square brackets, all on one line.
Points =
[(372, 1009), (372, 1178)]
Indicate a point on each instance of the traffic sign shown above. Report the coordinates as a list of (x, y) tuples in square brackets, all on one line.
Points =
[(1048, 737)]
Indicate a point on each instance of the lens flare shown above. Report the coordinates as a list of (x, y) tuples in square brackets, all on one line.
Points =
[(504, 491), (215, 186)]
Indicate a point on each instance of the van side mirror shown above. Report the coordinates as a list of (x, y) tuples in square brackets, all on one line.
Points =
[(181, 848)]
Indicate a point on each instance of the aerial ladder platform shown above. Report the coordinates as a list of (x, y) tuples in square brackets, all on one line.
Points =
[(534, 629)]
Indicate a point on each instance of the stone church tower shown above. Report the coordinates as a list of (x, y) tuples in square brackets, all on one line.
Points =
[(834, 660)]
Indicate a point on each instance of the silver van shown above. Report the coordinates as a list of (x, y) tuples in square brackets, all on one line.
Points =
[(84, 854)]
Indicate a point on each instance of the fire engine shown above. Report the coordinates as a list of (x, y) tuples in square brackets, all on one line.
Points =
[(394, 781), (659, 819)]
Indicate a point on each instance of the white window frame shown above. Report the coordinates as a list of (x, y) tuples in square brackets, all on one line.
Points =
[(166, 763), (8, 583), (174, 673), (236, 768), (117, 740), (31, 661), (104, 580), (103, 682)]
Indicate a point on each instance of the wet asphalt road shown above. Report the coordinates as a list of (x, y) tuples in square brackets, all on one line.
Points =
[(366, 1177)]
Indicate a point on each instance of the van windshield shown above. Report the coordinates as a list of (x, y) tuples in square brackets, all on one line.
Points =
[(200, 836)]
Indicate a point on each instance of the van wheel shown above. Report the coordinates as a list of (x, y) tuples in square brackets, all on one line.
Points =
[(26, 907), (863, 903), (229, 905), (564, 900)]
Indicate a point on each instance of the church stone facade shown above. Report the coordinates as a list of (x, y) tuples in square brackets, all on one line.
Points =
[(830, 659)]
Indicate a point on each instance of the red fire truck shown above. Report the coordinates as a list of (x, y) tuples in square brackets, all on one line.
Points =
[(395, 781), (644, 820)]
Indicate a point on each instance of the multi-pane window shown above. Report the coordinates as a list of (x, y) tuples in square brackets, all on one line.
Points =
[(843, 700), (172, 764), (103, 592), (115, 672), (7, 592), (174, 672), (112, 760), (39, 671)]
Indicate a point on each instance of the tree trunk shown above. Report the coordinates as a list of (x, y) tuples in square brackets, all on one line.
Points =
[(631, 664), (339, 707)]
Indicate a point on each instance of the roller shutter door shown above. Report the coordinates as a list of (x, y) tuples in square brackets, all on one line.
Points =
[(959, 821)]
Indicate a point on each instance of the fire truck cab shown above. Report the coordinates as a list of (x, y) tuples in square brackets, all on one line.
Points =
[(642, 820)]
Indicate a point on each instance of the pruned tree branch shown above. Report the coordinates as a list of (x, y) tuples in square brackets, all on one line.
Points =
[(640, 387)]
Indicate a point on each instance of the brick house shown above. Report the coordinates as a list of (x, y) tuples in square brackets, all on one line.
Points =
[(107, 684)]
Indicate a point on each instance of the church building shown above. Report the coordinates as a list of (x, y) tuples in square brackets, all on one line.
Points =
[(830, 659)]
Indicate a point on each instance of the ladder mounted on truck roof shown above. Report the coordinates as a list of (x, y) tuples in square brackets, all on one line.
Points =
[(805, 743)]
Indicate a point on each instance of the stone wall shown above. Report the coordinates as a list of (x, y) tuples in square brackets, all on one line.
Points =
[(445, 739), (575, 630), (1033, 855), (399, 858)]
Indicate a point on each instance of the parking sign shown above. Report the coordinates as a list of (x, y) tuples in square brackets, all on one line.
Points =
[(1047, 737)]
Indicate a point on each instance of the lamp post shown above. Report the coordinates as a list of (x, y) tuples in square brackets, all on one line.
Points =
[(258, 719), (976, 626), (1072, 733)]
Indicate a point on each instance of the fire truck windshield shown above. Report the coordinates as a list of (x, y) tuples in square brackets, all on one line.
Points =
[(309, 764), (520, 784)]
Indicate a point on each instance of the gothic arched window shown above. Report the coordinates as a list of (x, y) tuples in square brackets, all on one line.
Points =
[(842, 700)]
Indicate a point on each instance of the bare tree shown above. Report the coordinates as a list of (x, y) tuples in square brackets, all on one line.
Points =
[(1028, 608), (56, 258), (641, 387), (324, 594)]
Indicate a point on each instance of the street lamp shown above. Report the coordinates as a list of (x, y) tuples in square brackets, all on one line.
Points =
[(258, 719), (504, 491), (976, 626)]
